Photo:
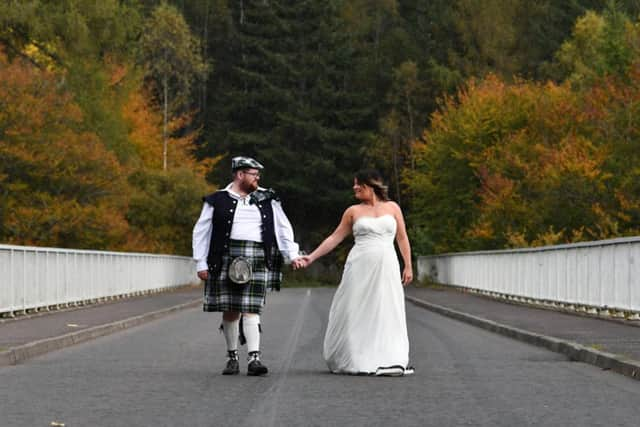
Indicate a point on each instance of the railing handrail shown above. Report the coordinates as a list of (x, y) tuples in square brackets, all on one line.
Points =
[(33, 277), (596, 277), (594, 243), (87, 251)]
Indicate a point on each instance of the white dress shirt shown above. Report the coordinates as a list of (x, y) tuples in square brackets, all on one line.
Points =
[(246, 226)]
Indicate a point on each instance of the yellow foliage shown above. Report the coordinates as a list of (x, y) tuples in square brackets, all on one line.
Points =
[(509, 164), (516, 239), (64, 188), (549, 237), (43, 59)]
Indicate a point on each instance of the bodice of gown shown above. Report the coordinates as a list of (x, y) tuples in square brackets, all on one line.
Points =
[(369, 230)]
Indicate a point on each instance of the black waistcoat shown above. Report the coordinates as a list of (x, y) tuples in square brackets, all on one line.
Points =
[(224, 208)]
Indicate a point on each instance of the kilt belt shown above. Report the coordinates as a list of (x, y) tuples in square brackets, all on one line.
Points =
[(221, 294)]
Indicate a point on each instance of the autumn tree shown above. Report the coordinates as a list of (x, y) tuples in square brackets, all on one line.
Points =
[(526, 164), (61, 186), (81, 131), (172, 60)]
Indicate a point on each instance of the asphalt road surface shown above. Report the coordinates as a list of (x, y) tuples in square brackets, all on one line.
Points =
[(167, 373)]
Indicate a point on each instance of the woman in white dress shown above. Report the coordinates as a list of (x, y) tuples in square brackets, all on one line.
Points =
[(367, 329)]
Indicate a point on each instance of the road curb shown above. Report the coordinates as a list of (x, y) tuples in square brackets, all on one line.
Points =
[(573, 351), (19, 354)]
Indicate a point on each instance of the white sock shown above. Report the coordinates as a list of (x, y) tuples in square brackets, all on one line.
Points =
[(231, 330), (250, 326)]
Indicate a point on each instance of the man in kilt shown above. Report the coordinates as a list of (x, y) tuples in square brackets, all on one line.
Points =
[(242, 228)]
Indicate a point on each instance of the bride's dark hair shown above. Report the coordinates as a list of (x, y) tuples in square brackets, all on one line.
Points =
[(373, 179)]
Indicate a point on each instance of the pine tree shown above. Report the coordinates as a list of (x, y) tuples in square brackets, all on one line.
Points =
[(293, 103)]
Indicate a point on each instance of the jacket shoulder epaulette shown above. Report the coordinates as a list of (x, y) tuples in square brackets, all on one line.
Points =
[(263, 195)]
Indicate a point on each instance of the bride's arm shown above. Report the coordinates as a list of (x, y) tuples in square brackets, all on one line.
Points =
[(328, 244), (404, 246)]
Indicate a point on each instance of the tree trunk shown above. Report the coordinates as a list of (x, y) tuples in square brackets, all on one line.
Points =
[(205, 44), (396, 173), (377, 37), (411, 132), (165, 141)]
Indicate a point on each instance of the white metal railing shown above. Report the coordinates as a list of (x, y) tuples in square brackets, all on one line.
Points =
[(33, 277), (599, 277)]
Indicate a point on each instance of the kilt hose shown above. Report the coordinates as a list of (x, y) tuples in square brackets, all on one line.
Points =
[(221, 294)]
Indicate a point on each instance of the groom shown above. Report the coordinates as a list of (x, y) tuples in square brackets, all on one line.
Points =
[(243, 224)]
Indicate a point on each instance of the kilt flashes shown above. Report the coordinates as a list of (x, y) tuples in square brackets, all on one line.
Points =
[(221, 294)]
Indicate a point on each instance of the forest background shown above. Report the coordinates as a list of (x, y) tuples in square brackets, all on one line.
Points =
[(497, 123)]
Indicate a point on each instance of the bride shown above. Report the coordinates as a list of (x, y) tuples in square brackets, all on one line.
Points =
[(367, 330)]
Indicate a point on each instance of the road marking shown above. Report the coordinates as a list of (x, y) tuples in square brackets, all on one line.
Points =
[(265, 413)]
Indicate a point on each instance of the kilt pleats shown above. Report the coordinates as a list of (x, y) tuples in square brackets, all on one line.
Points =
[(221, 294)]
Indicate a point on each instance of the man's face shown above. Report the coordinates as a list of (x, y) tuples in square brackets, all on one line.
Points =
[(249, 179)]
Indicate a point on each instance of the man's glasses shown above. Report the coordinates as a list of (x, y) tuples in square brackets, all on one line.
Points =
[(254, 174)]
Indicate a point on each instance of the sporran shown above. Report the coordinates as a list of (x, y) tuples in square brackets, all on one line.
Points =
[(240, 271)]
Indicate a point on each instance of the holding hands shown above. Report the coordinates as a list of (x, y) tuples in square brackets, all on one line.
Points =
[(301, 262)]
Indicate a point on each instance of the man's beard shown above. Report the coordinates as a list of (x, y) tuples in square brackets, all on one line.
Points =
[(249, 187)]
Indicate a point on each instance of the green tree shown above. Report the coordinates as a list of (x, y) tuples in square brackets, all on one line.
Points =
[(600, 44), (172, 59), (400, 128), (293, 100), (50, 32), (164, 206)]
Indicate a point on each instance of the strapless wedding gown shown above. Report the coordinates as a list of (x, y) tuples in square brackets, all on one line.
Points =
[(367, 323)]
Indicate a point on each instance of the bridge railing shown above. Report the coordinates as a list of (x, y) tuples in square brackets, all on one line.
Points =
[(598, 277), (34, 277)]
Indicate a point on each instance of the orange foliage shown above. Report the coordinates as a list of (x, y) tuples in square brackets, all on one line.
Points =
[(145, 133), (56, 174), (61, 186), (145, 129)]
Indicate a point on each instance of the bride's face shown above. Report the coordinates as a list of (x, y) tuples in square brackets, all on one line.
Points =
[(361, 191)]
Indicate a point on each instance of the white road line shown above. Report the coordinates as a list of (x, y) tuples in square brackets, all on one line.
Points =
[(266, 412)]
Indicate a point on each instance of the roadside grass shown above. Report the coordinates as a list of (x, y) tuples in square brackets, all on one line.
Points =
[(598, 347), (426, 282)]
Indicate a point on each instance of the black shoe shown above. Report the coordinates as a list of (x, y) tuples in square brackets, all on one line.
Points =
[(233, 366), (255, 367)]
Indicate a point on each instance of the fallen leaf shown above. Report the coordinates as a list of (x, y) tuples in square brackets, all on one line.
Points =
[(74, 325)]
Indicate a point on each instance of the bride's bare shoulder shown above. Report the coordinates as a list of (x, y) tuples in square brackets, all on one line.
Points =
[(392, 206), (351, 211)]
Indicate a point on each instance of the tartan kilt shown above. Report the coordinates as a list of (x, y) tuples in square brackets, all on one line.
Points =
[(221, 294)]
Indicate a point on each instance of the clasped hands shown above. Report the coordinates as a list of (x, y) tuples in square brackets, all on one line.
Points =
[(298, 263), (301, 262)]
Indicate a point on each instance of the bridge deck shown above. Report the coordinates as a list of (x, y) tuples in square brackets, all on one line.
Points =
[(167, 372)]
